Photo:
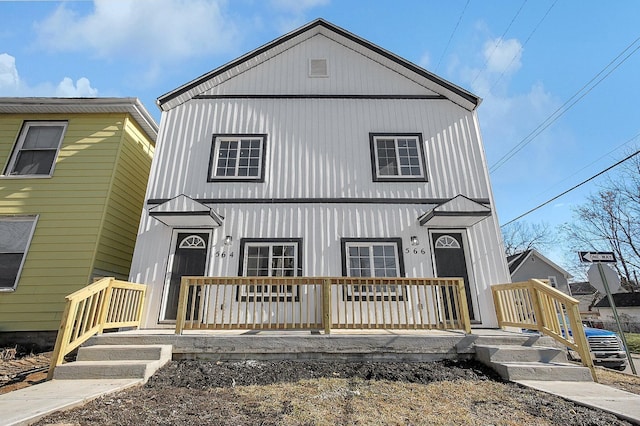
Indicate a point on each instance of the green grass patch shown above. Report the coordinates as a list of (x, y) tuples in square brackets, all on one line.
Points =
[(633, 340)]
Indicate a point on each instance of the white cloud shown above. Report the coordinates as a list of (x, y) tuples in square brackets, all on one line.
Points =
[(503, 56), (81, 89), (165, 30), (12, 85), (9, 78)]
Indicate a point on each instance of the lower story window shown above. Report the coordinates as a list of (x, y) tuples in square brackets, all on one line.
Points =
[(376, 259), (15, 237), (270, 258)]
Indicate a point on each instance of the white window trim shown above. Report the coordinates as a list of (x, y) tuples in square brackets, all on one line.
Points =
[(377, 293), (20, 142), (213, 169), (553, 281), (284, 290), (26, 249), (399, 176)]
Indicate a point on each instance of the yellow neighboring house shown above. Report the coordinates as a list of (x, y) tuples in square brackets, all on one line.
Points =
[(72, 186)]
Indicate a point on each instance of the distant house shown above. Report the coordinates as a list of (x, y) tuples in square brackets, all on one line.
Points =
[(531, 264), (72, 184), (587, 295), (321, 155), (628, 308)]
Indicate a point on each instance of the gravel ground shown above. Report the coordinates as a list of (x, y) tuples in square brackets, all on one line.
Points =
[(322, 393)]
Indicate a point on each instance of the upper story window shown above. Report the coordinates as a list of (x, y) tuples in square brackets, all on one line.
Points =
[(397, 158), (237, 158), (36, 150), (15, 237)]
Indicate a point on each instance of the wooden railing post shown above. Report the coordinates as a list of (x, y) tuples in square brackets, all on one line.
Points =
[(106, 305), (463, 306), (326, 306), (62, 339), (182, 305), (580, 340)]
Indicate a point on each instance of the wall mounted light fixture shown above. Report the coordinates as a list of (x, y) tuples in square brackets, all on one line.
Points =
[(414, 240), (228, 240)]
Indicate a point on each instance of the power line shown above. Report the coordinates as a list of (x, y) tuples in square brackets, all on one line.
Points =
[(571, 189), (523, 45), (451, 36), (498, 42), (592, 163), (568, 104)]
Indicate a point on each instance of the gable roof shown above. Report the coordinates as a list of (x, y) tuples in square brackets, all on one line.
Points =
[(515, 261), (463, 210), (42, 105), (622, 300), (437, 84)]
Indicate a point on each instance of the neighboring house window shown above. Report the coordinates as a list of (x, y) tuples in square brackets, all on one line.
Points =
[(15, 237), (270, 258), (553, 282), (36, 150), (237, 158), (378, 258), (397, 157)]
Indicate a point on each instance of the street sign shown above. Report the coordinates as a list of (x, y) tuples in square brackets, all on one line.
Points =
[(597, 256), (598, 274)]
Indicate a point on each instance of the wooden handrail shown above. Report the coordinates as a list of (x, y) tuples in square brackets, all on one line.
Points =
[(105, 304), (535, 305), (217, 303)]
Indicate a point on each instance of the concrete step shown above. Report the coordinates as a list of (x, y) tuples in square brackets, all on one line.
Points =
[(513, 353), (115, 362), (542, 371), (123, 352)]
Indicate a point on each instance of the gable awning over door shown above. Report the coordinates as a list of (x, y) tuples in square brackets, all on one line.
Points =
[(459, 211), (183, 211)]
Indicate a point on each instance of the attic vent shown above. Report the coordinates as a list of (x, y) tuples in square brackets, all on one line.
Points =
[(318, 68)]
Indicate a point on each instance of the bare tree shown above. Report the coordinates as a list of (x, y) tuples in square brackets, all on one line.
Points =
[(610, 221), (522, 236)]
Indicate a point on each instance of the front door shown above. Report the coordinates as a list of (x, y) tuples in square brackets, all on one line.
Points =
[(450, 261), (189, 259)]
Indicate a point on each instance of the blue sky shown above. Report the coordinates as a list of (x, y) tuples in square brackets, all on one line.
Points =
[(525, 58)]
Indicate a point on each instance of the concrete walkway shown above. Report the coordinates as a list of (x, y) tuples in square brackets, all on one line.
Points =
[(25, 406), (623, 404)]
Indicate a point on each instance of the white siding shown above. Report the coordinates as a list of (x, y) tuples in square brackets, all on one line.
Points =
[(350, 72), (319, 148), (321, 226)]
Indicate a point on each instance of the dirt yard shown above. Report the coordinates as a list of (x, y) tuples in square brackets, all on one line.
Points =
[(318, 393)]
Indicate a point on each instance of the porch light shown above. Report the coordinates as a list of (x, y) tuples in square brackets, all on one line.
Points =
[(228, 240), (414, 240)]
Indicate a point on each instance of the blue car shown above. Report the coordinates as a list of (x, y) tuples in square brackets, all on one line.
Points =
[(606, 349)]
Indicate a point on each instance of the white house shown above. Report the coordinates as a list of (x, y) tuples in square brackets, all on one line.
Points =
[(319, 154)]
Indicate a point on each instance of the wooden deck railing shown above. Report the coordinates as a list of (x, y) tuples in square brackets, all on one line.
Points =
[(218, 303), (535, 305), (105, 304)]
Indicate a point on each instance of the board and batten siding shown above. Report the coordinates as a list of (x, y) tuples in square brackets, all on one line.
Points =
[(320, 226), (319, 148), (71, 208)]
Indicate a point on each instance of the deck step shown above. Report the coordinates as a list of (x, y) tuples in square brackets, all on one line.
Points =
[(543, 371), (122, 352), (115, 362), (514, 353), (531, 363)]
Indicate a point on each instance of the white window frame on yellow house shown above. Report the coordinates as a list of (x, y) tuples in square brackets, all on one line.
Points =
[(28, 142), (15, 242)]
